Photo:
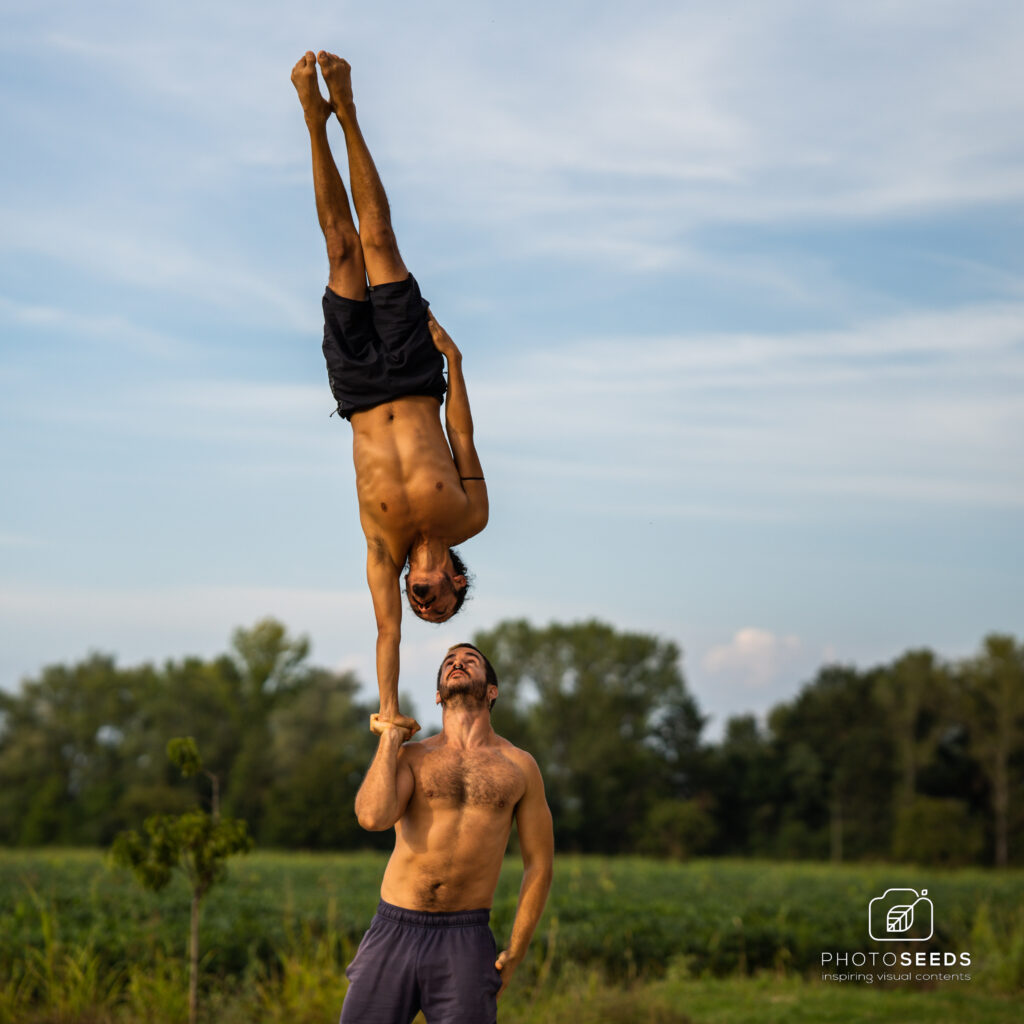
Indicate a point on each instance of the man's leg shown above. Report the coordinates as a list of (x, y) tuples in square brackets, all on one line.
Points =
[(344, 252), (382, 985), (380, 251)]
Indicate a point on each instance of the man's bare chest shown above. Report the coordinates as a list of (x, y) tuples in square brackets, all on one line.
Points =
[(399, 499), (485, 779), (423, 499)]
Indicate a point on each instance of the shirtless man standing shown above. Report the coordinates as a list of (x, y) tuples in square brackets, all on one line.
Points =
[(451, 799), (419, 493)]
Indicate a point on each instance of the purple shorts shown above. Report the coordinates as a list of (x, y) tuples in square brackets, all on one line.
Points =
[(412, 960), (380, 348)]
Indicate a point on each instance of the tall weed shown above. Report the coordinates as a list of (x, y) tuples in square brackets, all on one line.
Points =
[(998, 951), (157, 992), (308, 983), (56, 984)]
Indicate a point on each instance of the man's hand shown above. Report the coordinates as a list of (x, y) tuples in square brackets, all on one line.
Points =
[(403, 723), (442, 342), (507, 964)]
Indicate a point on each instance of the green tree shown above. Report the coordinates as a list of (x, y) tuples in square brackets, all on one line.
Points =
[(989, 697), (607, 716), (195, 843), (320, 747), (741, 774), (270, 670), (677, 829), (909, 693), (836, 762), (62, 770), (933, 830)]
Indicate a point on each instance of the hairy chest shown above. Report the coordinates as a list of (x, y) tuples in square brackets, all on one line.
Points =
[(470, 779)]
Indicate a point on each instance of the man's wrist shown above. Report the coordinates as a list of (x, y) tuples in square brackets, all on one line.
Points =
[(394, 736)]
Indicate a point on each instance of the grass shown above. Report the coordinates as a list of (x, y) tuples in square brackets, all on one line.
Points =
[(623, 939), (774, 1000)]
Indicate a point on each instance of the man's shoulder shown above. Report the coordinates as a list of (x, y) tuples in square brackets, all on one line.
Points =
[(416, 749), (523, 758), (383, 554), (378, 549)]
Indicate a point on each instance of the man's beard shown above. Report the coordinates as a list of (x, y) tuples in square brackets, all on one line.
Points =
[(464, 692)]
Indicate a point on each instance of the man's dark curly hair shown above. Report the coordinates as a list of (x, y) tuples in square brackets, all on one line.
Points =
[(459, 567)]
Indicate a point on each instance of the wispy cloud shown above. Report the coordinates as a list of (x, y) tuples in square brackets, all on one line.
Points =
[(105, 330), (768, 167), (654, 123), (17, 540), (678, 118), (136, 246), (159, 619), (914, 407)]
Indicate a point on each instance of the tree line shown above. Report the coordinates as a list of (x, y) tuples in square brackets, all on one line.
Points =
[(917, 760)]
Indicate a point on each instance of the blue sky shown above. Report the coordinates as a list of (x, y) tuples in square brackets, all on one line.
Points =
[(740, 288)]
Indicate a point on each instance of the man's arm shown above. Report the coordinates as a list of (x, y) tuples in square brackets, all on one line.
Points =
[(458, 424), (537, 845), (385, 792), (386, 593)]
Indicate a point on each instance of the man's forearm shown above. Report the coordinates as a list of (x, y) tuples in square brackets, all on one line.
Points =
[(533, 895), (458, 418), (388, 642), (377, 800), (458, 423)]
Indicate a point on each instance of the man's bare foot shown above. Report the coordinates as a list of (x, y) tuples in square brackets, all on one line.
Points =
[(314, 106), (338, 79), (380, 722)]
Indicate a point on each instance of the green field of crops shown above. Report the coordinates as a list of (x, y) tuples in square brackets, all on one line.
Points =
[(632, 939)]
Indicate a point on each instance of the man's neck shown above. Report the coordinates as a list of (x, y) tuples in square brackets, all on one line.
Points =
[(428, 554), (466, 727)]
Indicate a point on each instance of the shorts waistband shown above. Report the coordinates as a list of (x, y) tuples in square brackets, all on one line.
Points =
[(432, 918)]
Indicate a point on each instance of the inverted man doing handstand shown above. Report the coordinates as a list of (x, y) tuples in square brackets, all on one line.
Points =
[(419, 493)]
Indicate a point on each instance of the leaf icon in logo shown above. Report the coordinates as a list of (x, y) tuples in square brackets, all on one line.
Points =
[(900, 919)]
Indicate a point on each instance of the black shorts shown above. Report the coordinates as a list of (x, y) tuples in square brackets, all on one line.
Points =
[(380, 348), (412, 960)]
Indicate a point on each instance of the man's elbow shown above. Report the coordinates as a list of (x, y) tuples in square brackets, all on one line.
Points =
[(372, 820), (480, 519), (540, 869), (388, 634)]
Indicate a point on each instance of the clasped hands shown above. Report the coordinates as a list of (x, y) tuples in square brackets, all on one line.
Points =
[(402, 723)]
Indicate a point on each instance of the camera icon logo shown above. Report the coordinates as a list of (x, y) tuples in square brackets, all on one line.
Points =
[(901, 915)]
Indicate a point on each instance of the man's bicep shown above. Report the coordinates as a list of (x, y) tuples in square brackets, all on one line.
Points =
[(405, 782), (533, 820), (479, 507)]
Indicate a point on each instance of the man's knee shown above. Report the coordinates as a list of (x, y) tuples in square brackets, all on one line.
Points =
[(343, 245), (375, 235)]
